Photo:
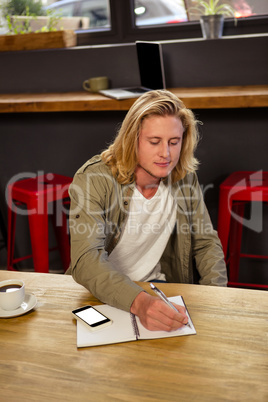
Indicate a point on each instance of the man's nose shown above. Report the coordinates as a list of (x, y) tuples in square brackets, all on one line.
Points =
[(164, 151)]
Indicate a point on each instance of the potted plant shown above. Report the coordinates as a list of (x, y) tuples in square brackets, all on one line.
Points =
[(29, 27), (212, 13)]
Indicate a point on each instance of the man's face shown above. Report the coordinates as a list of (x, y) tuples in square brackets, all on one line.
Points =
[(159, 147)]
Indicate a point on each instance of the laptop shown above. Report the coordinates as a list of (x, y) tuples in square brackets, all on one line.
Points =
[(151, 67)]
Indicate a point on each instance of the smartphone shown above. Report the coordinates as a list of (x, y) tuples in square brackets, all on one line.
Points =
[(91, 317)]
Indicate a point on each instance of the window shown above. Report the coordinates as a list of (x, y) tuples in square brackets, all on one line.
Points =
[(243, 8), (118, 21), (97, 11), (151, 12), (66, 10)]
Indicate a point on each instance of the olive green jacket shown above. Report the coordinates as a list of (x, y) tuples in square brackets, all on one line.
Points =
[(99, 207)]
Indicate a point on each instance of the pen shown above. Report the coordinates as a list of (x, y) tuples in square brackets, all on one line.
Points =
[(165, 299)]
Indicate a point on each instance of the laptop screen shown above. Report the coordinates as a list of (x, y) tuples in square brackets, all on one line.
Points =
[(151, 66)]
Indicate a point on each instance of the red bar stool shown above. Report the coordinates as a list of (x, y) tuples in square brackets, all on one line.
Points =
[(37, 194), (236, 191)]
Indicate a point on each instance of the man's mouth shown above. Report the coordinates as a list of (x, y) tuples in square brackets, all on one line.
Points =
[(162, 164)]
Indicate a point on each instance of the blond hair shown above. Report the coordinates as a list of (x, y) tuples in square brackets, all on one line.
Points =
[(122, 154)]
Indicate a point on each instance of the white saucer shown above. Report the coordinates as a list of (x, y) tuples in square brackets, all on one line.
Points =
[(28, 304)]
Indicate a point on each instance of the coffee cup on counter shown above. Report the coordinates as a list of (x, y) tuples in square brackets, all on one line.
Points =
[(96, 84), (12, 294)]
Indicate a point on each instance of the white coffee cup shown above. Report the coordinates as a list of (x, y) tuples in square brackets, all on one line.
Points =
[(12, 294)]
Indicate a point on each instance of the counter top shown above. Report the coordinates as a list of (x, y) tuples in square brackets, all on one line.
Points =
[(194, 98), (225, 361)]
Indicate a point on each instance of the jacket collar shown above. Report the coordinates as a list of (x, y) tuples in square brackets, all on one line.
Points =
[(127, 191)]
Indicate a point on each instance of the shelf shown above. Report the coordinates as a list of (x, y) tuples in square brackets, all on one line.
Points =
[(194, 98)]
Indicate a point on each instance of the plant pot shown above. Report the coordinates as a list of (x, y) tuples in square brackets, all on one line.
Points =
[(212, 26), (42, 40)]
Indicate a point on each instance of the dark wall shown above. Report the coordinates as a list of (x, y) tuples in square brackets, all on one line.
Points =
[(62, 142), (228, 61), (188, 63), (65, 69), (232, 139), (48, 142)]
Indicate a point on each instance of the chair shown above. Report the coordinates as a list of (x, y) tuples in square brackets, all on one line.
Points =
[(239, 189), (37, 195)]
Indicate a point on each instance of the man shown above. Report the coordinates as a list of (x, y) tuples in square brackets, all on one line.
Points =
[(137, 213)]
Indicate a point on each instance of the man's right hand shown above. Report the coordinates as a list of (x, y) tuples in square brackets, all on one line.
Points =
[(156, 315)]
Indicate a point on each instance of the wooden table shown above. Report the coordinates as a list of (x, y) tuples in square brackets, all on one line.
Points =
[(226, 361), (194, 98)]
